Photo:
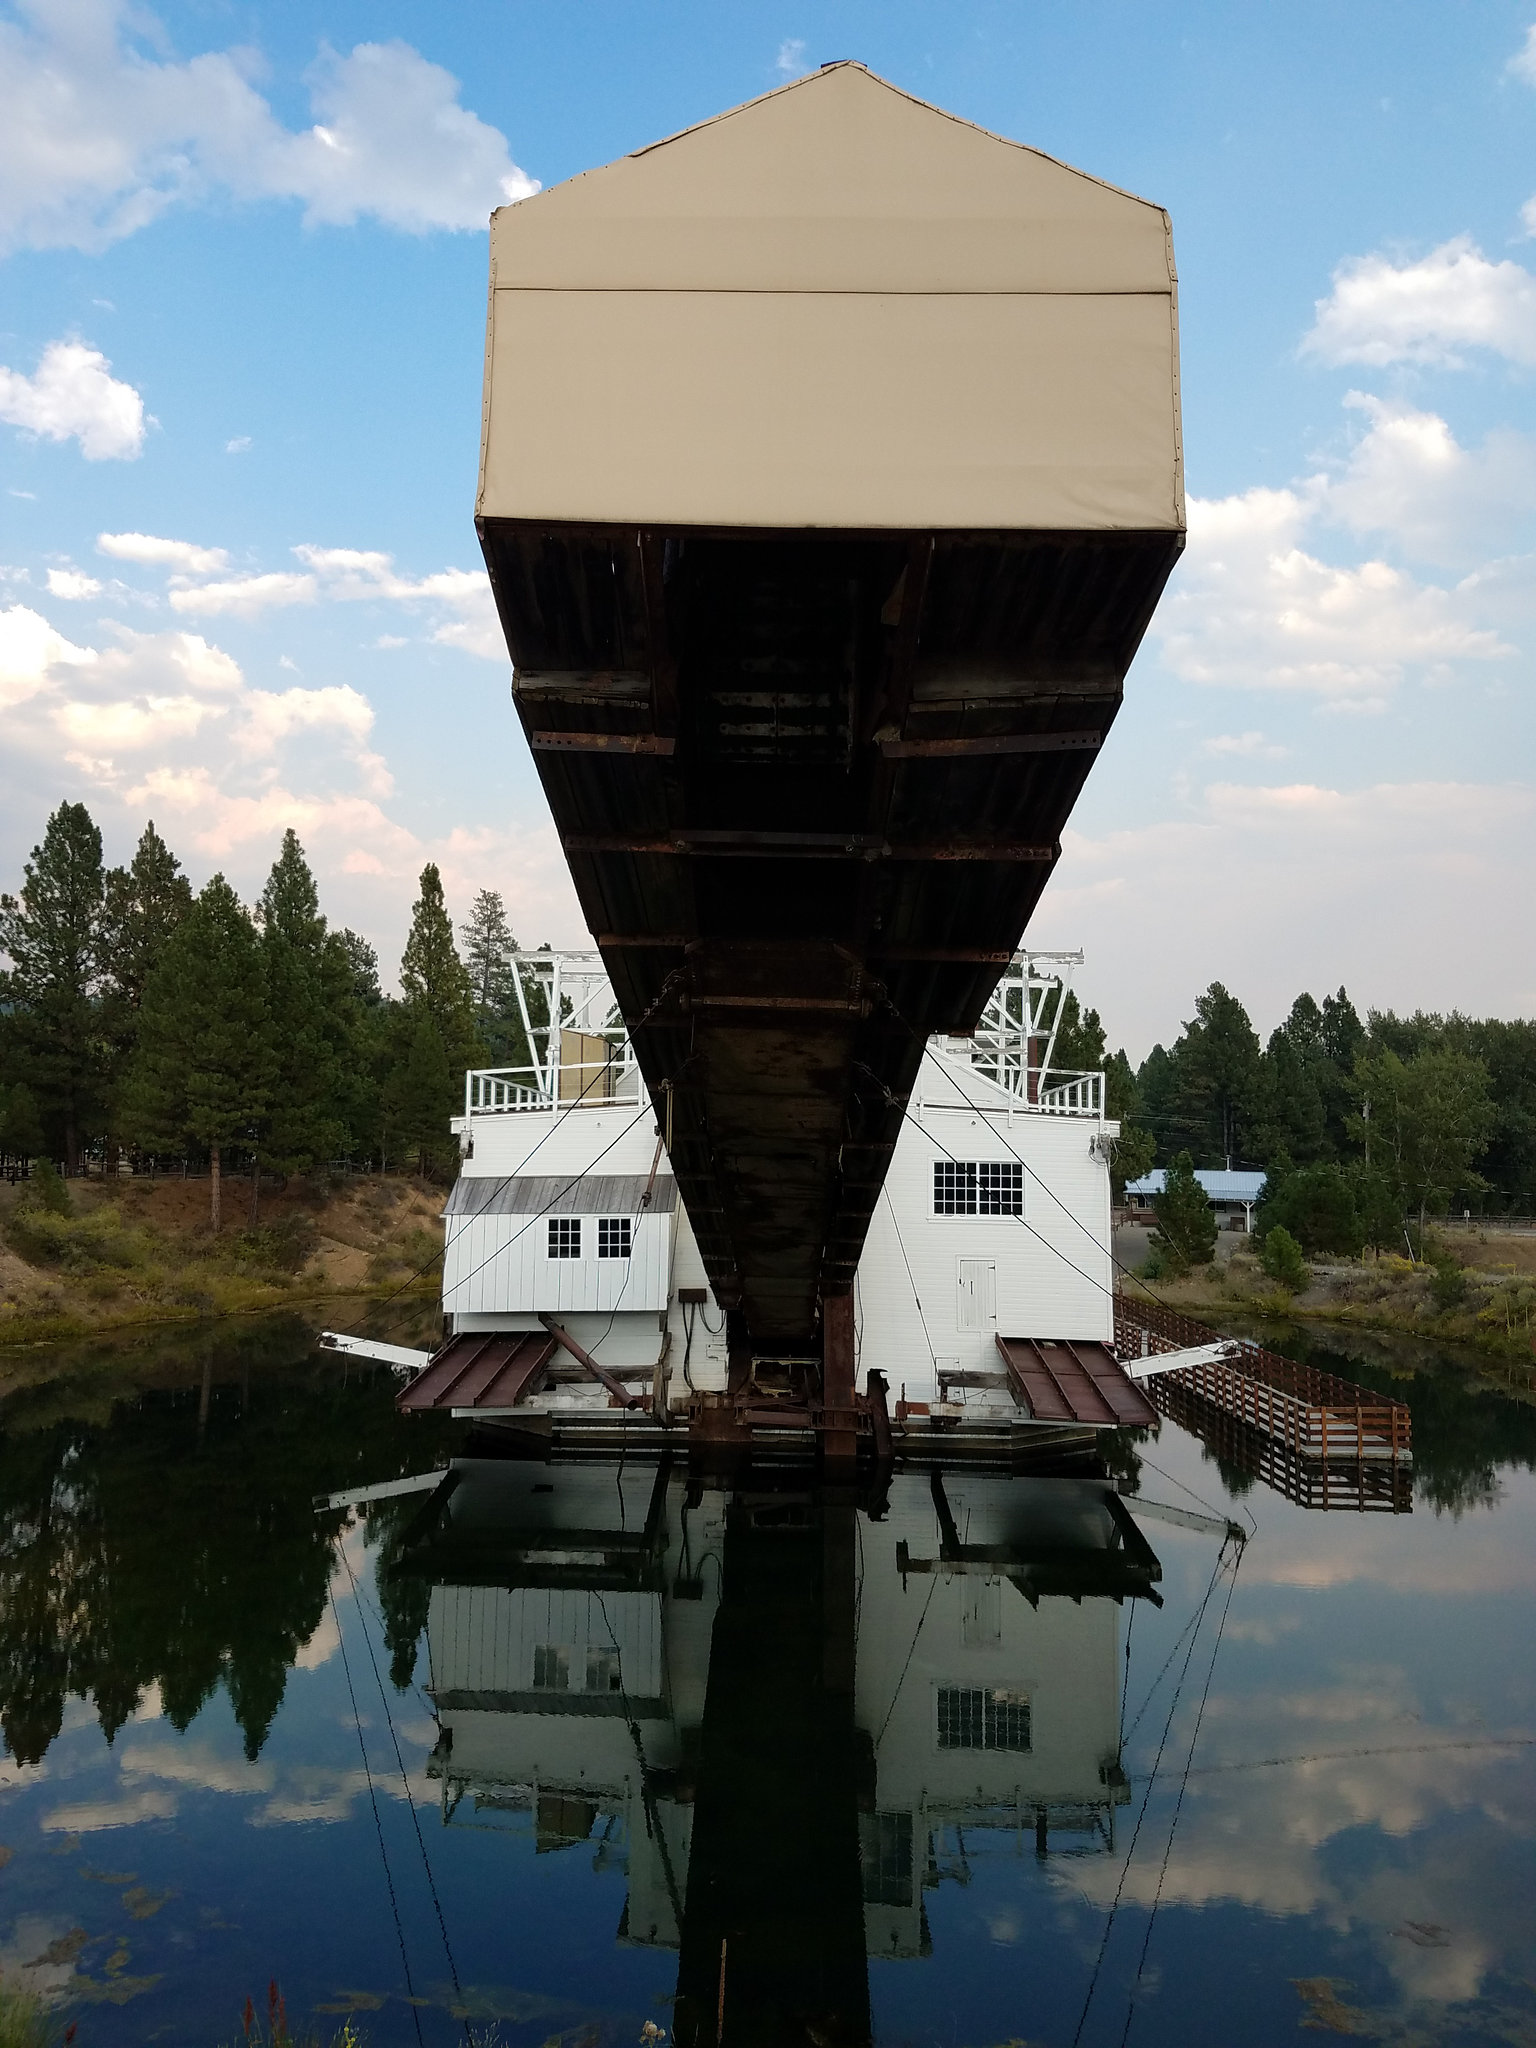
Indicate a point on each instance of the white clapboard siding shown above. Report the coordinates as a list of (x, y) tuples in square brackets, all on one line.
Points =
[(501, 1265), (483, 1638), (1052, 1275)]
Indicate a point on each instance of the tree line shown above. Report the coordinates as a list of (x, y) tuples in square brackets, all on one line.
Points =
[(139, 1018), (1365, 1128)]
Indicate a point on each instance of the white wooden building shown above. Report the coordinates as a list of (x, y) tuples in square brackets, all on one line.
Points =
[(995, 1217)]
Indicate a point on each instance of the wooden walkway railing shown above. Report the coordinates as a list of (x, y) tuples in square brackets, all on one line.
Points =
[(1316, 1416)]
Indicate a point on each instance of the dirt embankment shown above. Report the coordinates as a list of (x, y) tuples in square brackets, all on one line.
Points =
[(1476, 1289), (141, 1251)]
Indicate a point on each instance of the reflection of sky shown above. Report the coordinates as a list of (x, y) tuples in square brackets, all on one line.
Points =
[(1360, 1822), (273, 1868)]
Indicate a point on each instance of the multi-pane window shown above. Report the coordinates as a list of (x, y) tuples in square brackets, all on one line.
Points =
[(565, 1237), (982, 1717), (954, 1188), (613, 1237), (885, 1858), (986, 1187)]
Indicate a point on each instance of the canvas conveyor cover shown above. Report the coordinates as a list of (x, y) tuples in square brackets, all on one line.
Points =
[(830, 474)]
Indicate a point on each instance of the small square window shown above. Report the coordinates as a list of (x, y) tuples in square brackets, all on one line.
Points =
[(603, 1671), (613, 1237), (565, 1237), (954, 1188)]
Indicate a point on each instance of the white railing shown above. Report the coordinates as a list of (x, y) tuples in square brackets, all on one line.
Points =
[(1072, 1095), (579, 1084)]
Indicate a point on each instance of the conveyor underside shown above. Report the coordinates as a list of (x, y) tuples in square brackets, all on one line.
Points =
[(811, 788)]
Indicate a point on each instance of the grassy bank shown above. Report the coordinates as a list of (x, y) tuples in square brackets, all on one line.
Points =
[(116, 1255), (1475, 1291)]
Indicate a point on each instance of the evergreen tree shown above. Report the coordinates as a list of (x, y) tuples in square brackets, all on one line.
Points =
[(1186, 1222), (1136, 1148), (425, 1088), (202, 1067), (142, 905), (488, 946), (21, 1128), (53, 935), (309, 999), (363, 966)]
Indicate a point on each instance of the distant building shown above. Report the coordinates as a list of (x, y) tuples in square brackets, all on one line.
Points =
[(1232, 1195)]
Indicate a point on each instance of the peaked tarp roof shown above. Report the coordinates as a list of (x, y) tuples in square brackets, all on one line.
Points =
[(834, 307)]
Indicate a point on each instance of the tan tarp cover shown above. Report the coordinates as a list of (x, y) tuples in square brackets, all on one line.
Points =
[(834, 307)]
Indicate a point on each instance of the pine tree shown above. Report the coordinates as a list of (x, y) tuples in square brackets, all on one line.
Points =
[(142, 905), (363, 966), (53, 935), (21, 1128), (1186, 1222), (437, 991), (202, 1067), (488, 945), (308, 982)]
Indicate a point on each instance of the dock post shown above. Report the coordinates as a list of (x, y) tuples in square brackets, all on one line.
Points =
[(839, 1415)]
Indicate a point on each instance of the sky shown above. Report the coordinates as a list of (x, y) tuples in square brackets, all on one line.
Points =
[(242, 301)]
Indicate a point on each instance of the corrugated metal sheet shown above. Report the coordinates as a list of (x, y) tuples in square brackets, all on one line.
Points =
[(597, 1194)]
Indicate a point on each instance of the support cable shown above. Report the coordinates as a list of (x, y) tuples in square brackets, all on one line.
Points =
[(1173, 1828), (1146, 1801), (410, 1803), (378, 1825)]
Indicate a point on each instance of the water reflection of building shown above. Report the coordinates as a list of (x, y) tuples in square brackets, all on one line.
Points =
[(988, 1676), (568, 1634), (784, 1716)]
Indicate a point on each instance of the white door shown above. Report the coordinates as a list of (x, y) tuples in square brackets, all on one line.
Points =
[(978, 1294)]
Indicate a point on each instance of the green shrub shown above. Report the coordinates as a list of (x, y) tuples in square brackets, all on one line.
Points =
[(47, 1190), (79, 1244), (1447, 1280), (283, 1247), (1281, 1258)]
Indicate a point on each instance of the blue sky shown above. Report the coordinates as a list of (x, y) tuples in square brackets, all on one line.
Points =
[(242, 296)]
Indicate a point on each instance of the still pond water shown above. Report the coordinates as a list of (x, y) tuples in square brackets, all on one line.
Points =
[(567, 1754)]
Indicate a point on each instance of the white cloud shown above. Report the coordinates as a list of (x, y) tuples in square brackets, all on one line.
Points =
[(790, 62), (1409, 477), (100, 133), (1528, 216), (154, 551), (30, 651), (72, 584), (1430, 311), (245, 596), (239, 446), (358, 575), (1254, 607), (72, 397), (1249, 746), (1523, 63)]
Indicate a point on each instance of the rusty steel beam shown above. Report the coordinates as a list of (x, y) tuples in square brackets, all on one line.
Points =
[(549, 742), (982, 745)]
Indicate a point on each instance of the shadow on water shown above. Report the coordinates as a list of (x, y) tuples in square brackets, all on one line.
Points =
[(809, 1733)]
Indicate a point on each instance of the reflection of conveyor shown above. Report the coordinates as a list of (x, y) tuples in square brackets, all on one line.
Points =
[(785, 1713)]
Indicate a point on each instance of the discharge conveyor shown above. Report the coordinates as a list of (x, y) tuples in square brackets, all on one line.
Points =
[(830, 474)]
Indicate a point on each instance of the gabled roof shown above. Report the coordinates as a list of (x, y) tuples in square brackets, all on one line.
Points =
[(837, 182)]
